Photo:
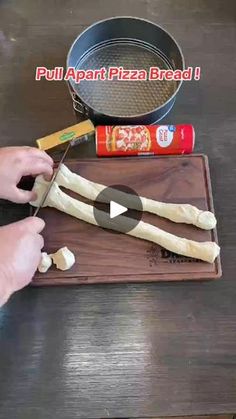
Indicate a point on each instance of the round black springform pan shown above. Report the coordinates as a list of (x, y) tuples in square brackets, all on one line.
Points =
[(131, 43)]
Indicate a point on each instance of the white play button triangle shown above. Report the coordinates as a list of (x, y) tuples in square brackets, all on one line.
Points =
[(118, 217), (116, 209)]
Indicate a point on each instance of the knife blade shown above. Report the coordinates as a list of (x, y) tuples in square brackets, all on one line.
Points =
[(52, 180)]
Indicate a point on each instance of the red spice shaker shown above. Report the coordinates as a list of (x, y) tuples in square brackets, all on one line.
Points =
[(141, 140)]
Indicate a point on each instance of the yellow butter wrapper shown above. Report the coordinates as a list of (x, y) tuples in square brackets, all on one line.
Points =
[(68, 134)]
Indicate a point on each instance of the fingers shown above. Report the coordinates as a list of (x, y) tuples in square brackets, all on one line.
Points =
[(38, 166), (23, 197), (35, 162), (31, 225), (40, 241), (35, 152), (32, 167)]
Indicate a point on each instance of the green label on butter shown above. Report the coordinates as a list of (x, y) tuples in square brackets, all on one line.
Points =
[(67, 136)]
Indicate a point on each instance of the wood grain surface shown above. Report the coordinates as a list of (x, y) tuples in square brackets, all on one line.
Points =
[(121, 350), (104, 256)]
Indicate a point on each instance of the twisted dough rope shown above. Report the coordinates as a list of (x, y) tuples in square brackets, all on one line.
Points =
[(179, 213), (206, 251)]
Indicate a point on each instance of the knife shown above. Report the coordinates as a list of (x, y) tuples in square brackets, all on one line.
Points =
[(52, 180)]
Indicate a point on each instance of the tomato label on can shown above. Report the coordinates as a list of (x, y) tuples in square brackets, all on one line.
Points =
[(129, 138)]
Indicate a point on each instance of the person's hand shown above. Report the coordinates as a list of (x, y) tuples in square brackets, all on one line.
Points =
[(20, 245), (16, 162)]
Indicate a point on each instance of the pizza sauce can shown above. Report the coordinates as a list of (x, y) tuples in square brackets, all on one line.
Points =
[(141, 140)]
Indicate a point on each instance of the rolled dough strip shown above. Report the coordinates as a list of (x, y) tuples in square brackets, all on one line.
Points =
[(206, 251), (179, 213)]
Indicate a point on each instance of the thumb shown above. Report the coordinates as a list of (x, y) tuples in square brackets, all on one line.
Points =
[(23, 197), (31, 225)]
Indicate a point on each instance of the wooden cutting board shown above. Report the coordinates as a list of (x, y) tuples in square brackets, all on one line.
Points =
[(104, 256)]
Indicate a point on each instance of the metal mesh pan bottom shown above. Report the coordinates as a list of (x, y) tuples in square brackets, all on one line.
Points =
[(117, 101), (123, 97)]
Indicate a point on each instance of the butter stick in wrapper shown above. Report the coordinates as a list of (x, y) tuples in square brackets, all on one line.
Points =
[(59, 138)]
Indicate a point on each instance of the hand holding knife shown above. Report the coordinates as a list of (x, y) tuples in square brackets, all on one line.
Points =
[(82, 132), (52, 180)]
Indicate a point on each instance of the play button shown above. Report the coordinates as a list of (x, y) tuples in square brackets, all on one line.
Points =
[(118, 208)]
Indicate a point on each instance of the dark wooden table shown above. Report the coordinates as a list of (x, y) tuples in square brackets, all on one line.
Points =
[(123, 350)]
